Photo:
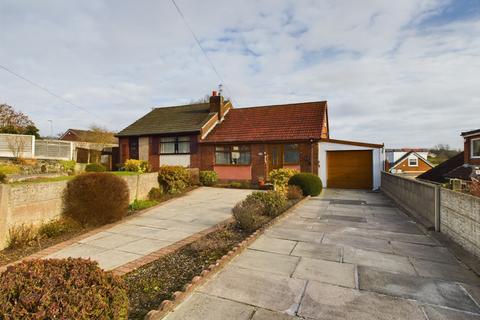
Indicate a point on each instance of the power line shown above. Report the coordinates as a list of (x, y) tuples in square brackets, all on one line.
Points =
[(203, 50), (51, 93)]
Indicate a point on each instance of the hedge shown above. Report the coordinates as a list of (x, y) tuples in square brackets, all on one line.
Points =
[(310, 184)]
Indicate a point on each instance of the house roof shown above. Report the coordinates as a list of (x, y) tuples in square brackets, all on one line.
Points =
[(88, 136), (178, 119), (405, 156), (471, 132), (463, 172), (437, 173), (407, 150), (296, 121)]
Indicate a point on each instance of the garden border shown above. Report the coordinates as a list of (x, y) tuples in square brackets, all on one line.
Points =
[(179, 296)]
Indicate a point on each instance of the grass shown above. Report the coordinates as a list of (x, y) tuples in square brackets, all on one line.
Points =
[(66, 178), (142, 204), (9, 169), (124, 173)]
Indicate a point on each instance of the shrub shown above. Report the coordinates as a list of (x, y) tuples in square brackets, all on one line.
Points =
[(155, 194), (61, 289), (194, 176), (21, 236), (280, 177), (273, 202), (248, 214), (3, 177), (9, 169), (56, 228), (68, 165), (208, 178), (310, 184), (142, 204), (235, 185), (96, 198), (134, 165), (294, 193), (95, 167), (173, 179)]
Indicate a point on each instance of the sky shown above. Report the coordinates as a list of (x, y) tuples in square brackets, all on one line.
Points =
[(404, 73)]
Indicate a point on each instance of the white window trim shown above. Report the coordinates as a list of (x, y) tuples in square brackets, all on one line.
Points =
[(413, 165), (471, 149)]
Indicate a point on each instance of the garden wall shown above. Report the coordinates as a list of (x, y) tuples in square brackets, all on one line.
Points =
[(35, 203)]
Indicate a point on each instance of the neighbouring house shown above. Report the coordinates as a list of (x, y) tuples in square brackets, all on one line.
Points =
[(407, 161), (92, 146), (247, 143), (437, 174)]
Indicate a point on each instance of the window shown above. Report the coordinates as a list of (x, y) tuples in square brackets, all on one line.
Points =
[(475, 148), (413, 162), (232, 155), (173, 145), (291, 154)]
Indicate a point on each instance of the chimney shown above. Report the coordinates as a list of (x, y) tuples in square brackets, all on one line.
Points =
[(217, 105)]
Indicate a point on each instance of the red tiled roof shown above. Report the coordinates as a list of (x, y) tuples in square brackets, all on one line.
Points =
[(298, 121)]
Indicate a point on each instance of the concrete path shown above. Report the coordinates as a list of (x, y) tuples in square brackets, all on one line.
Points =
[(156, 228), (344, 255)]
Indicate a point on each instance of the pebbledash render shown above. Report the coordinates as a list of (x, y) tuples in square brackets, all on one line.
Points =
[(240, 144)]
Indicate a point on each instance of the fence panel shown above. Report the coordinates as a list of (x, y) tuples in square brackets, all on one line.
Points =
[(53, 149), (16, 145)]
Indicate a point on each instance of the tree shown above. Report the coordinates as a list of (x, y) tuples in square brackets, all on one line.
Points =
[(98, 134), (16, 122)]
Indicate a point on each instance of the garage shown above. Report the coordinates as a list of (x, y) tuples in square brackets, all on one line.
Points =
[(350, 169), (350, 164)]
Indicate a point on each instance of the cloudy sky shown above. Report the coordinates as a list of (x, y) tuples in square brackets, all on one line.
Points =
[(406, 73)]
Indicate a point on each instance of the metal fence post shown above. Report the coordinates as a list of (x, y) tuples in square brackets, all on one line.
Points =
[(437, 208)]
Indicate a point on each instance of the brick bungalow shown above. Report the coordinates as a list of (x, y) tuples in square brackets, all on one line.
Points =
[(247, 143)]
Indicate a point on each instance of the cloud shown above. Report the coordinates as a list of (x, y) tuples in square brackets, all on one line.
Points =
[(404, 73)]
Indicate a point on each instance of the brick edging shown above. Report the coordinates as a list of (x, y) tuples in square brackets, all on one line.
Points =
[(168, 305), (62, 245)]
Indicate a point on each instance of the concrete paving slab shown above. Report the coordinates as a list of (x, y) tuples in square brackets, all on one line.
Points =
[(275, 245), (341, 274), (439, 254), (262, 314), (133, 230), (112, 259), (202, 307), (78, 250), (379, 260), (473, 292), (266, 261), (295, 235), (144, 246), (169, 235), (390, 236), (425, 290), (327, 302), (436, 313), (359, 242), (262, 289), (406, 227), (318, 250), (448, 272), (110, 240)]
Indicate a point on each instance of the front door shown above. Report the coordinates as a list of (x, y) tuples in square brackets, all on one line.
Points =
[(275, 157)]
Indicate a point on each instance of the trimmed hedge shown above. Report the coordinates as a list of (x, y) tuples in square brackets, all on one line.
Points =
[(273, 202), (95, 167), (96, 198), (134, 165), (208, 178), (173, 179), (310, 184), (61, 289)]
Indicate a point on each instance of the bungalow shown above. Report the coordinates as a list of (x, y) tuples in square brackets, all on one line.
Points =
[(247, 143), (408, 161)]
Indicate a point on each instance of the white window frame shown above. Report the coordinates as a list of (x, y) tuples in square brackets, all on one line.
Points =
[(414, 159), (471, 149)]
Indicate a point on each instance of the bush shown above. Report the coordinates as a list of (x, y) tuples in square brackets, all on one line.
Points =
[(21, 236), (9, 169), (3, 177), (248, 214), (208, 178), (155, 194), (310, 184), (95, 167), (68, 165), (194, 176), (294, 193), (134, 165), (173, 179), (273, 202), (96, 198), (142, 204), (280, 177), (61, 289), (56, 228)]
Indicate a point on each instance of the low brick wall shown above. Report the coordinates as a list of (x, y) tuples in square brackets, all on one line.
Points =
[(460, 219), (39, 202), (416, 197)]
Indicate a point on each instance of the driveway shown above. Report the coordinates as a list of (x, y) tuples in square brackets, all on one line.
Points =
[(344, 255), (156, 228)]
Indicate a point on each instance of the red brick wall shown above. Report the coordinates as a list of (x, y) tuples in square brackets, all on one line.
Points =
[(124, 149)]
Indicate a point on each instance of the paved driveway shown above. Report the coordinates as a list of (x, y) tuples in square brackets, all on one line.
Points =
[(344, 255), (156, 228)]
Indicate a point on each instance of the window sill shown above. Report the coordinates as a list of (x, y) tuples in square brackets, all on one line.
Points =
[(232, 165), (173, 154)]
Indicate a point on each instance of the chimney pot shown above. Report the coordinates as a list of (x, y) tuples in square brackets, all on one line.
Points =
[(214, 93)]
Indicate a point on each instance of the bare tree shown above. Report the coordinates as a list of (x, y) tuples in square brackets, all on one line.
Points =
[(16, 145)]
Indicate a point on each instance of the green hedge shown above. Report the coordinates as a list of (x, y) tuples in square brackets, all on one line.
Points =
[(95, 167), (310, 184), (173, 179), (61, 289), (208, 178)]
